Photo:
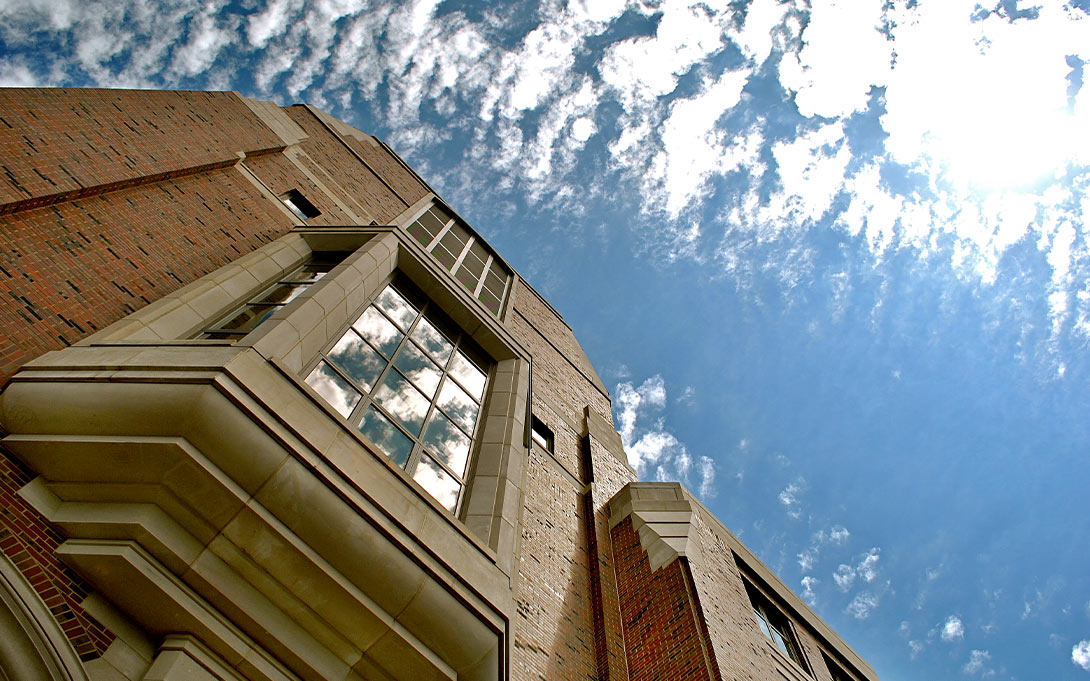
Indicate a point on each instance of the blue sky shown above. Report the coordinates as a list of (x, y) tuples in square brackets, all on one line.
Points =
[(830, 257)]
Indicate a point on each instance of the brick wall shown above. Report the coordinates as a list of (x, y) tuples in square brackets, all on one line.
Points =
[(743, 652), (71, 268), (28, 540), (377, 199), (280, 175), (663, 627), (65, 141), (554, 630)]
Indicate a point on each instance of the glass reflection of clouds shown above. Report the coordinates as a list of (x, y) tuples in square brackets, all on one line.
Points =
[(419, 369), (386, 435), (437, 482), (432, 340), (357, 359), (405, 402), (334, 389), (401, 394), (379, 331), (471, 378), (447, 442), (399, 309), (458, 405)]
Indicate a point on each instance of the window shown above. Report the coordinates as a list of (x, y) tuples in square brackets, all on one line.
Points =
[(465, 255), (774, 625), (411, 385), (299, 205), (835, 670), (541, 434), (245, 319)]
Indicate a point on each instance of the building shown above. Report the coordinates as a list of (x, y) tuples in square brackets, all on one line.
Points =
[(274, 411)]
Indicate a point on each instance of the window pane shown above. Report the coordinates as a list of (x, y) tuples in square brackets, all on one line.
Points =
[(444, 256), (405, 402), (358, 360), (449, 444), (490, 301), (373, 326), (387, 436), (471, 378), (248, 317), (432, 340), (467, 278), (308, 274), (459, 406), (399, 309), (283, 293), (494, 281), (337, 391), (455, 239), (437, 482), (419, 369)]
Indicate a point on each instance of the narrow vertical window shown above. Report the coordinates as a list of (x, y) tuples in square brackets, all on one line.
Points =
[(774, 625), (541, 434)]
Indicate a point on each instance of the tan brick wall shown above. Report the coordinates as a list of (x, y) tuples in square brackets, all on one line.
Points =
[(554, 631), (743, 652), (280, 175)]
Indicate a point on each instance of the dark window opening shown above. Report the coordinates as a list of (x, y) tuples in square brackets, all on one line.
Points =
[(299, 205), (541, 434)]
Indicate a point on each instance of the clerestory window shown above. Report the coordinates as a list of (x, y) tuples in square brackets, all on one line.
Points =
[(774, 625), (412, 384), (466, 256)]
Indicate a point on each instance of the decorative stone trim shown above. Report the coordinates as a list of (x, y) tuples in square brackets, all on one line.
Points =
[(662, 516)]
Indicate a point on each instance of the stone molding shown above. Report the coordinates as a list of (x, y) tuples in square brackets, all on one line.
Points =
[(662, 515)]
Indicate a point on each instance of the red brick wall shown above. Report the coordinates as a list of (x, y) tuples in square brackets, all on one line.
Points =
[(376, 198), (62, 141), (404, 183), (70, 269), (280, 175), (609, 475), (30, 543), (663, 626)]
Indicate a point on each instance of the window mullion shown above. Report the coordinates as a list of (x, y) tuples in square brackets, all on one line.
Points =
[(484, 275), (462, 256), (442, 233)]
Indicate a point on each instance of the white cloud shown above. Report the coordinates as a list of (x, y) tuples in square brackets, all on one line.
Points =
[(789, 498), (650, 447), (835, 535), (844, 577), (1080, 654), (862, 605), (808, 584), (977, 661), (866, 570), (832, 76), (952, 629)]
